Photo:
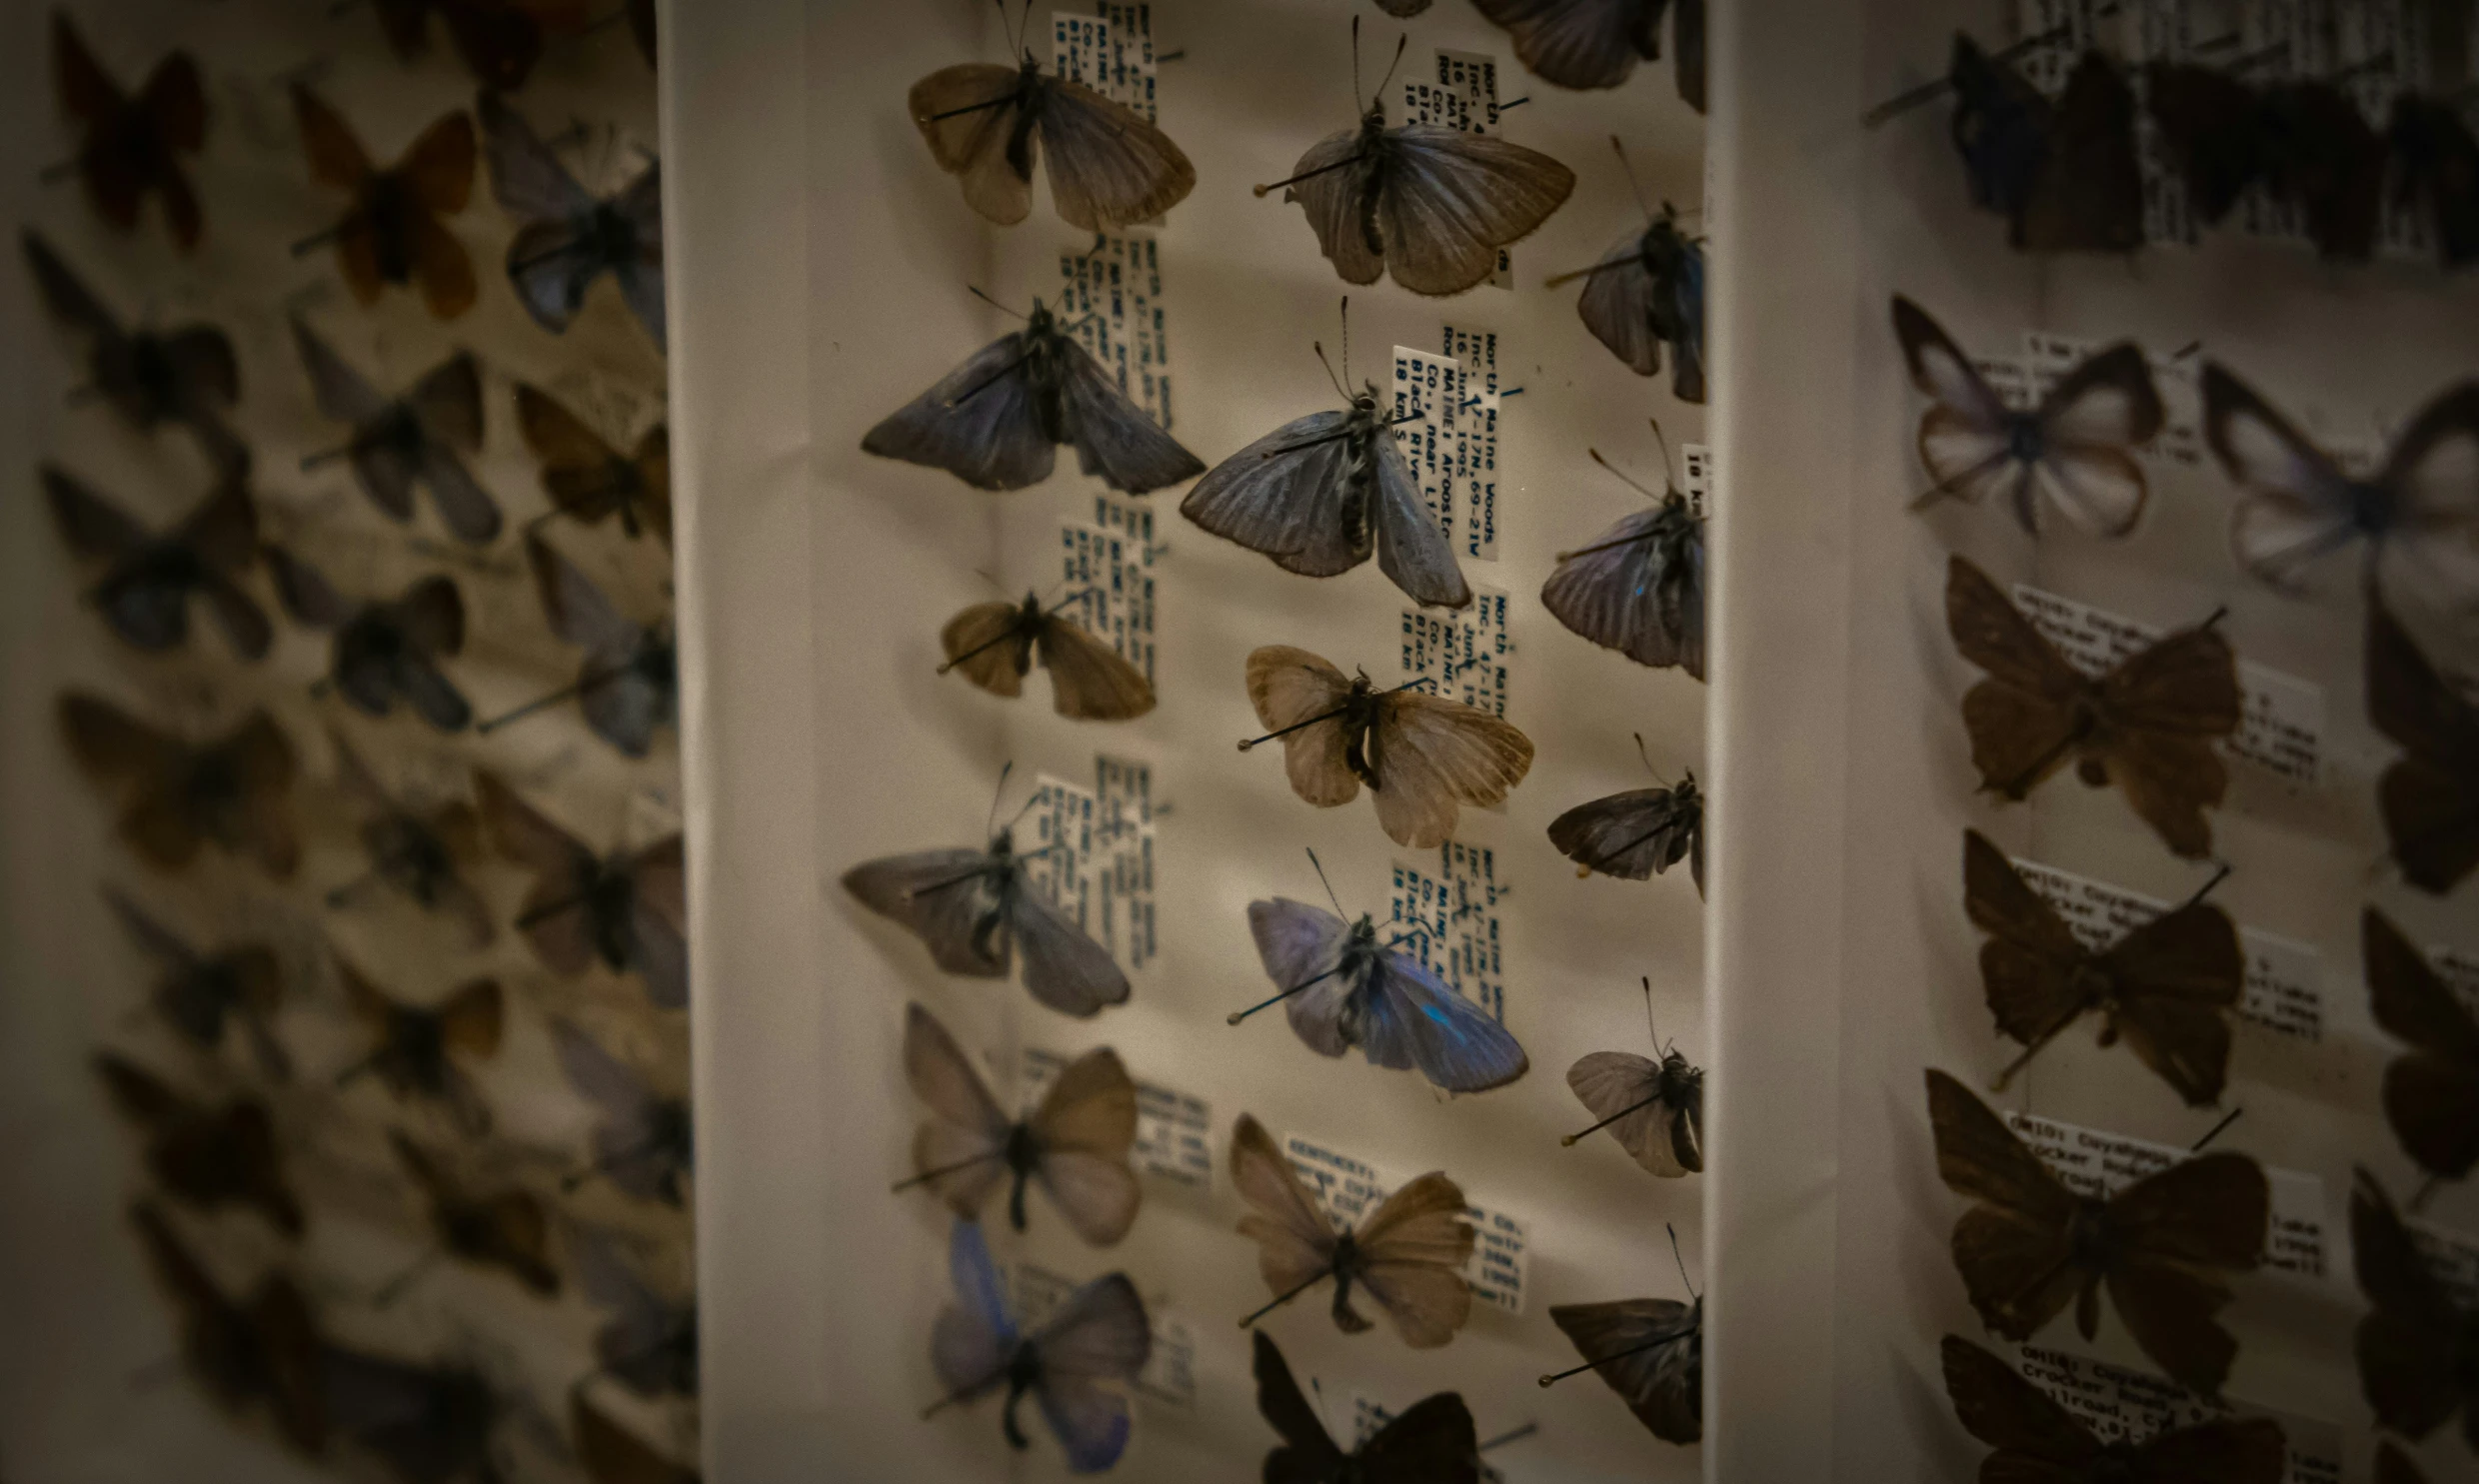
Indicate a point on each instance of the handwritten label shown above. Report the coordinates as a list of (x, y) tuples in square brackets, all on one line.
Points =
[(1109, 51), (2284, 978), (2101, 1165), (1474, 468), (1108, 568), (1462, 652), (1350, 1189), (1460, 93), (1097, 862), (1173, 1138), (1429, 411), (1696, 480), (1110, 295), (1448, 918), (2123, 1405), (2282, 725), (1123, 789), (1169, 1373)]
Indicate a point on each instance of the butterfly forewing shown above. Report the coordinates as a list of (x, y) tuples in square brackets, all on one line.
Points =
[(1295, 1239), (1308, 1454), (1430, 755), (1446, 201), (2431, 1095), (1656, 1112), (1634, 834), (2412, 1346), (1410, 1257), (1651, 1352), (2430, 795), (1109, 167), (1581, 43), (1083, 1130)]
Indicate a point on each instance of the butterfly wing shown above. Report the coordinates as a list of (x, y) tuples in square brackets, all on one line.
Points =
[(2088, 193), (1651, 1352), (1336, 179), (1966, 437), (985, 642), (942, 898), (576, 608), (2162, 710), (1308, 1454), (1620, 591), (1412, 551), (221, 535), (2178, 975), (2430, 486), (305, 591), (1063, 967), (2014, 1250), (612, 1085), (2031, 964), (2293, 505), (659, 919), (1085, 1128), (1621, 305), (1089, 680), (2104, 407), (2210, 129), (2027, 1427), (1294, 1241), (2429, 798), (2323, 155), (981, 423), (2022, 717), (448, 404), (1412, 1251), (2407, 1344), (641, 272), (2175, 1231), (1626, 1090), (2431, 1096), (1410, 1017), (525, 177), (2222, 1451), (1109, 167), (1447, 201), (654, 468), (1430, 755), (340, 392), (1432, 1441), (1631, 835), (584, 476), (975, 1338), (1284, 495), (967, 1134), (471, 1019), (1098, 1339), (561, 931), (1290, 687), (1581, 43), (973, 118), (1114, 440), (1303, 946)]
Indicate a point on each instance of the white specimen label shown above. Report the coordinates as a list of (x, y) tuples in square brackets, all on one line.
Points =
[(2284, 978), (2094, 1163), (1109, 575), (1430, 413), (1476, 454), (1350, 1189), (1447, 915), (1124, 792), (1695, 477), (2121, 1405), (1172, 1128), (2282, 724), (1110, 295), (1461, 653), (1169, 1373), (1097, 859), (1109, 51)]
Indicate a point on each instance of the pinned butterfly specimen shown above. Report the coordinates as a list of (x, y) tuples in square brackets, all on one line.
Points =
[(1407, 1255), (505, 1230), (205, 1158), (975, 909), (420, 855), (499, 41), (262, 1352), (1654, 1109), (1420, 756), (2430, 795), (1320, 492), (1639, 588), (612, 1454), (2072, 451), (175, 797), (629, 683), (186, 375), (1637, 835), (651, 1343), (2064, 174), (588, 480), (2419, 515), (132, 147), (2147, 726), (570, 238), (426, 1424), (1429, 204), (1650, 1351), (2167, 986), (2037, 1438), (995, 643), (2416, 1345), (987, 125), (392, 233), (1430, 1443), (645, 1143), (1648, 292), (2303, 140), (1581, 43), (641, 26), (2162, 1247), (1092, 1344), (384, 650), (198, 995), (629, 909), (2431, 1093), (996, 420), (422, 437), (416, 1050), (148, 579), (1340, 987), (1074, 1145), (2436, 164)]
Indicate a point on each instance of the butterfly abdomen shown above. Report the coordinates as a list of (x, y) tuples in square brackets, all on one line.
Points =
[(391, 215)]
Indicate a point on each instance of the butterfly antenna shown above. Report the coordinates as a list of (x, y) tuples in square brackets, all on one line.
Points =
[(2215, 1132), (1318, 346), (2418, 1202), (1378, 99), (1646, 759), (1624, 477), (1650, 1028), (1634, 188), (1322, 1275), (1355, 64), (1669, 464), (1328, 886), (1504, 1438), (2205, 890), (993, 303), (1681, 1258), (998, 793)]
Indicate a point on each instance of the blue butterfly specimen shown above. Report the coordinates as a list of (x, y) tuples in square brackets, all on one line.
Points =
[(569, 237), (1098, 1336)]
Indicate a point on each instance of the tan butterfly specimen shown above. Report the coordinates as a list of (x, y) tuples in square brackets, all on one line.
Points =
[(507, 1228), (1409, 1253), (1074, 1145), (589, 479), (414, 1049), (1420, 755), (995, 643), (175, 797), (2037, 1441), (2148, 726), (2431, 1093), (987, 125), (392, 233), (131, 147), (256, 1351), (2162, 1247), (2166, 988)]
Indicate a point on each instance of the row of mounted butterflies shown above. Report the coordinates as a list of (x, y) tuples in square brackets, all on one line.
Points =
[(2067, 175)]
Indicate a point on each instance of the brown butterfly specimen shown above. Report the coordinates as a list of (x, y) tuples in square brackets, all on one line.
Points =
[(422, 855), (205, 1158), (198, 995), (505, 1230), (133, 146), (148, 578), (1420, 755), (1409, 1253), (175, 797), (262, 1352), (2166, 988), (2430, 795), (2039, 1442), (987, 125), (996, 644), (2160, 1247), (2148, 726), (589, 479), (498, 40), (629, 911), (2418, 1347), (414, 1049), (2431, 1093), (2393, 1466), (613, 1455), (392, 233)]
